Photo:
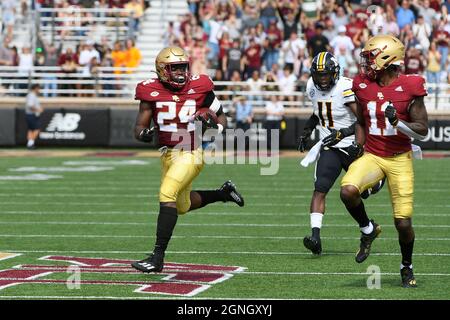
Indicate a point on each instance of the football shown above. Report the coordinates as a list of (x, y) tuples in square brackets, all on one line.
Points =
[(206, 113)]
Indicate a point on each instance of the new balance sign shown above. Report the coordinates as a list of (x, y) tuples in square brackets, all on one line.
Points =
[(61, 126), (68, 127)]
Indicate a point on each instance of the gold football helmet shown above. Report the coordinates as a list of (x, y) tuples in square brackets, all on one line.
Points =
[(379, 53), (172, 67)]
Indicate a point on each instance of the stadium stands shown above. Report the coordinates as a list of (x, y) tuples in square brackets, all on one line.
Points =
[(222, 37)]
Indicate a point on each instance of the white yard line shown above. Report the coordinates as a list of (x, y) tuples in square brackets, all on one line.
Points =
[(246, 225), (220, 252), (81, 236)]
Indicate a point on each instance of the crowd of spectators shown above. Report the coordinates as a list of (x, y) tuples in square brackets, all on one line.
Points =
[(79, 60), (249, 40)]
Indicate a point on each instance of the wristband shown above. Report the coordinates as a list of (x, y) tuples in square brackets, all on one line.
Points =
[(219, 128)]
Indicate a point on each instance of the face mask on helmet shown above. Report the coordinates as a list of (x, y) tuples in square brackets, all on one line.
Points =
[(177, 74), (323, 80), (368, 67)]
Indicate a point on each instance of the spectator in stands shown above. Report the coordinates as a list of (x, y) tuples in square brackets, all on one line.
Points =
[(25, 68), (442, 39), (287, 83), (302, 66), (33, 112), (136, 9), (274, 115), (250, 16), (51, 60), (69, 66), (85, 59), (6, 54), (339, 18), (198, 55), (414, 60), (268, 13), (342, 41), (405, 15), (118, 57), (8, 15), (391, 26), (425, 11), (377, 21), (254, 86), (272, 45), (233, 26), (433, 66), (225, 43), (290, 16), (422, 32), (233, 60), (291, 49), (133, 55), (244, 113), (252, 58), (318, 42), (330, 30), (106, 75), (271, 81)]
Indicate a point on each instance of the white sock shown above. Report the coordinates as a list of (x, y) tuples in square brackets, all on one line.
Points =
[(316, 219), (30, 143), (368, 229), (402, 266)]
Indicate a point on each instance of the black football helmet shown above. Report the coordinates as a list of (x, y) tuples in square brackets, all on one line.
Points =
[(325, 71)]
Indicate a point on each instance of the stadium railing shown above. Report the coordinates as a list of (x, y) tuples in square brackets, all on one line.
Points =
[(107, 83), (112, 23)]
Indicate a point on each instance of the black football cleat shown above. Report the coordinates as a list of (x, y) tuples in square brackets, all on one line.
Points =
[(154, 263), (366, 243), (366, 193), (408, 280), (313, 244), (231, 194)]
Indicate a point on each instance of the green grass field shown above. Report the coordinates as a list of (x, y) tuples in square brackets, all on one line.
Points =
[(112, 214)]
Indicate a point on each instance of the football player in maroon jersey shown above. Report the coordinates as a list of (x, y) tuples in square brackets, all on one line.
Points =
[(391, 111), (172, 101)]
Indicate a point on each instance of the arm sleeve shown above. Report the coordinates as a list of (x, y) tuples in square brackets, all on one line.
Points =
[(311, 124)]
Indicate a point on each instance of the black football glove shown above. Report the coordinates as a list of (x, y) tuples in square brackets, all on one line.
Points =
[(146, 135), (207, 123), (334, 138), (355, 150), (391, 114), (303, 140)]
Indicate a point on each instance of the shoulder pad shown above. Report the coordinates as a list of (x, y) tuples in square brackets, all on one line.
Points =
[(149, 90), (201, 83)]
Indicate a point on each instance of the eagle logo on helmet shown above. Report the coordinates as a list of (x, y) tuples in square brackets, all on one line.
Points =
[(172, 67), (325, 71)]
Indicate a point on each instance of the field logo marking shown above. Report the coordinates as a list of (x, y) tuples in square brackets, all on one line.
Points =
[(178, 279)]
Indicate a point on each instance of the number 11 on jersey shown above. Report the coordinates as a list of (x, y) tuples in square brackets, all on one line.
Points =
[(375, 119)]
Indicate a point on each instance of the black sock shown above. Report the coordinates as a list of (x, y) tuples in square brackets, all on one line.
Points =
[(211, 196), (167, 219), (407, 251), (359, 214), (316, 233)]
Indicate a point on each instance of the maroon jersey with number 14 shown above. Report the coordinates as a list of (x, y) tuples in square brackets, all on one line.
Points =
[(172, 110), (382, 139)]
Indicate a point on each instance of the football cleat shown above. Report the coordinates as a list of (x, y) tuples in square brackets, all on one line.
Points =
[(231, 194), (366, 193), (313, 244), (366, 243), (408, 280), (154, 263)]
